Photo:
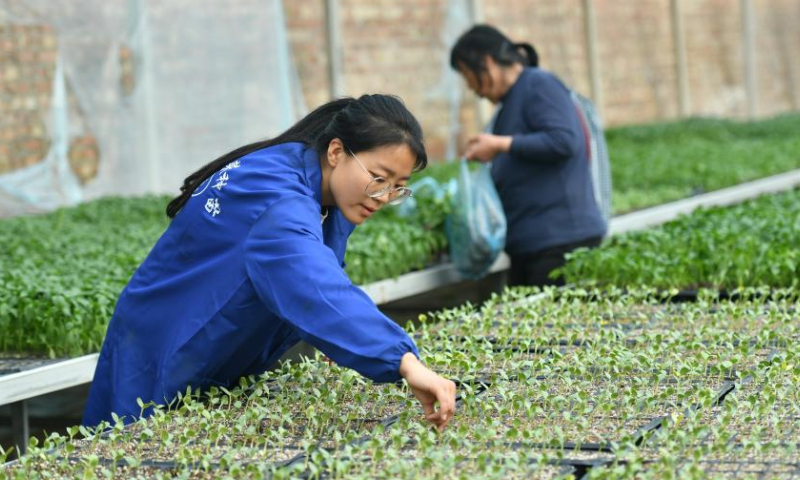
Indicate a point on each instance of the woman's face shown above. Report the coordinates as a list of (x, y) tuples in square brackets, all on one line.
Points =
[(348, 180), (490, 85)]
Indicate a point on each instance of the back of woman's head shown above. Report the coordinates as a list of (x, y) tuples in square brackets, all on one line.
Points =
[(365, 123), (481, 41)]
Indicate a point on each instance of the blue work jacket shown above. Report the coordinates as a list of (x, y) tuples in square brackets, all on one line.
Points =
[(244, 271)]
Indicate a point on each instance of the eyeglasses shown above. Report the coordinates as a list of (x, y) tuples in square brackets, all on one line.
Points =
[(379, 187)]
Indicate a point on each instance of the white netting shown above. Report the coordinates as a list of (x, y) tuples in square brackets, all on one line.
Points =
[(202, 77), (49, 183), (450, 85)]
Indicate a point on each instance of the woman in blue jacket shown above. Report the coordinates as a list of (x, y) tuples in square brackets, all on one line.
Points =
[(539, 153), (252, 263)]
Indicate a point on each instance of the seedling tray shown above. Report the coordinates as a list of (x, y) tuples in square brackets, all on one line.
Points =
[(552, 470), (692, 295), (736, 469)]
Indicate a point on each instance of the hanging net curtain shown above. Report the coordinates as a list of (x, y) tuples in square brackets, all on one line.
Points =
[(163, 86), (450, 86)]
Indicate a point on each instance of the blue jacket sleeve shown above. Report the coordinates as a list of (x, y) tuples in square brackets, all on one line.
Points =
[(299, 279), (551, 117)]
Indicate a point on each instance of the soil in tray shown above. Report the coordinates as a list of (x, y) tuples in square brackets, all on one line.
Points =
[(769, 453), (384, 457), (242, 433), (564, 410), (13, 364), (531, 334), (709, 359), (191, 452), (551, 430), (746, 321), (573, 456), (654, 442), (462, 365), (584, 432), (529, 449), (731, 436), (415, 466), (525, 332), (738, 470), (785, 427), (71, 469), (779, 423), (298, 436), (276, 431), (268, 441), (747, 469), (637, 312), (540, 344), (742, 363), (345, 403)]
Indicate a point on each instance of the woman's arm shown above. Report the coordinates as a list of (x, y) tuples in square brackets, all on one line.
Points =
[(430, 388), (485, 146), (546, 126), (299, 279), (550, 117), (545, 146), (297, 276)]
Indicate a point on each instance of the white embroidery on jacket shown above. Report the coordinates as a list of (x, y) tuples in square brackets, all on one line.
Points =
[(212, 206)]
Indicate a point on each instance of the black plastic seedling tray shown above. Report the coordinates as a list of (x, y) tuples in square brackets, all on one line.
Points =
[(750, 469)]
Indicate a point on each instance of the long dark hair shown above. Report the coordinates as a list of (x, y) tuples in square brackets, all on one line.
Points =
[(362, 124), (482, 40)]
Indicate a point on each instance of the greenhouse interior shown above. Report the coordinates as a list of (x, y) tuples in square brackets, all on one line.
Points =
[(432, 239)]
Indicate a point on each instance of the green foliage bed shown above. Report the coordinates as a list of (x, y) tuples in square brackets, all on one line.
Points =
[(61, 273), (756, 243), (654, 164)]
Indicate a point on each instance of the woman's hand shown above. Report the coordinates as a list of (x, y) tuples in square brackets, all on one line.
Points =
[(485, 146), (430, 388)]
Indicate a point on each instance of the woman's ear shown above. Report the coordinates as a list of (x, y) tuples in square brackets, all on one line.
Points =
[(335, 150), (492, 68)]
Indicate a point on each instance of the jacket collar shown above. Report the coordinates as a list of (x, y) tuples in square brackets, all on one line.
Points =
[(313, 177), (313, 173)]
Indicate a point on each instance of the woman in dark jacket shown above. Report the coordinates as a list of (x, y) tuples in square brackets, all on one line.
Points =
[(539, 152)]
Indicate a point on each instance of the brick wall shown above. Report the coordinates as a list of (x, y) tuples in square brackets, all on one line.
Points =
[(305, 22), (398, 47), (28, 57), (27, 62), (715, 57), (393, 46), (637, 63), (778, 52)]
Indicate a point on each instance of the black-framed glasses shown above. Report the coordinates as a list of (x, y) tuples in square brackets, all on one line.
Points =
[(379, 186)]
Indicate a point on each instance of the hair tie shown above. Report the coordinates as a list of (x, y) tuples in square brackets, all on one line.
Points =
[(503, 48)]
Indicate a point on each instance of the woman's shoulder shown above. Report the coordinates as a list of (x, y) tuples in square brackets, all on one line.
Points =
[(290, 154), (264, 176), (247, 187), (537, 74), (542, 81), (288, 161)]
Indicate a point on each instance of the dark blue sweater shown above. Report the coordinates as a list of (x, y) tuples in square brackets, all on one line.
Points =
[(544, 180)]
